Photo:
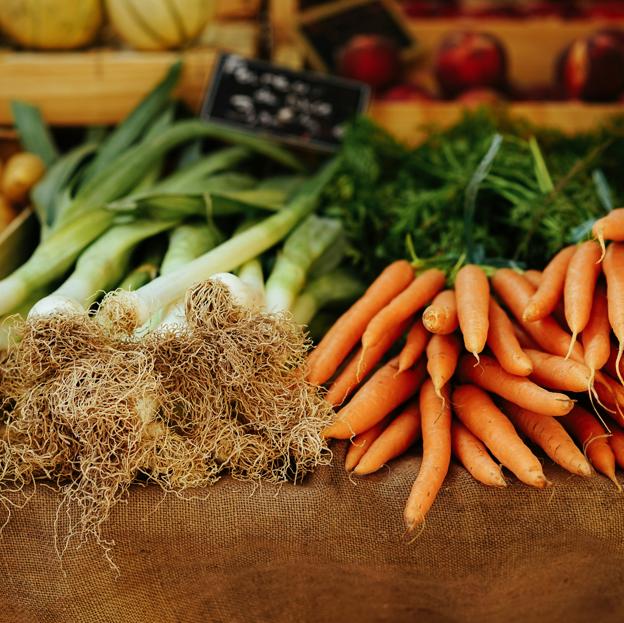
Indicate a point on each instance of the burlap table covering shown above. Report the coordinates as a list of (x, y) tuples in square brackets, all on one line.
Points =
[(330, 550)]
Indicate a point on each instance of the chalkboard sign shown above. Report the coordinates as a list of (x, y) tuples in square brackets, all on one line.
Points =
[(324, 30), (301, 108)]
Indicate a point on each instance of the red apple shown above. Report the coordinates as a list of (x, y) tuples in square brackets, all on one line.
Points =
[(371, 59), (407, 92), (592, 68), (470, 60)]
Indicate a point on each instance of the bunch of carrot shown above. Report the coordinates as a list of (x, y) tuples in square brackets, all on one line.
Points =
[(397, 370)]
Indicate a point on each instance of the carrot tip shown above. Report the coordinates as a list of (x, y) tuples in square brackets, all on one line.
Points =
[(572, 343), (476, 356)]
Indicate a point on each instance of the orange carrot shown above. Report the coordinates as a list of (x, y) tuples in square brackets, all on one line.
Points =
[(504, 343), (613, 267), (534, 277), (348, 329), (360, 364), (435, 415), (472, 291), (616, 441), (547, 433), (524, 339), (442, 355), (399, 435), (415, 343), (596, 336), (518, 389), (361, 443), (402, 306), (588, 432), (612, 367), (557, 372), (578, 290), (380, 395), (474, 456), (609, 227), (515, 291), (544, 300), (441, 316), (483, 419)]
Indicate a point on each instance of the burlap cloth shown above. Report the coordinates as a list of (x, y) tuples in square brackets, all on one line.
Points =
[(330, 550)]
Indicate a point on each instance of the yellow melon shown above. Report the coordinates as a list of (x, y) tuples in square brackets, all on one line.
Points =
[(51, 24), (159, 24)]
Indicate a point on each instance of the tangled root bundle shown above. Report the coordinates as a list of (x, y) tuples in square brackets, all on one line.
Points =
[(95, 411)]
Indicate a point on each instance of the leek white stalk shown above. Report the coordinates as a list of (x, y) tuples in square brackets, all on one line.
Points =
[(139, 306), (335, 287), (100, 267), (52, 258), (308, 242)]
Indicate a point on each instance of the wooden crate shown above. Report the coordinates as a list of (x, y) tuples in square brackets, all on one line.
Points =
[(409, 121), (97, 86)]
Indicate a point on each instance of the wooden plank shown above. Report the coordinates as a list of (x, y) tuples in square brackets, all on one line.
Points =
[(409, 121), (95, 87)]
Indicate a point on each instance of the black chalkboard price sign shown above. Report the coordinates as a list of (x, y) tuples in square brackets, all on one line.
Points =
[(301, 108)]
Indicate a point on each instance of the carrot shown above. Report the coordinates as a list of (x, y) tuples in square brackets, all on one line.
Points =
[(483, 419), (348, 329), (524, 339), (596, 336), (616, 441), (360, 364), (611, 395), (441, 316), (518, 389), (544, 300), (609, 227), (415, 343), (504, 343), (578, 290), (534, 277), (472, 291), (435, 413), (380, 395), (399, 435), (588, 432), (405, 304), (613, 267), (611, 366), (515, 291), (361, 443), (474, 456), (442, 355), (547, 433), (557, 372)]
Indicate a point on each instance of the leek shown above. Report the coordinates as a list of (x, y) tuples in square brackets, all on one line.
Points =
[(251, 271), (139, 306), (148, 266), (335, 287), (100, 267), (120, 176), (308, 242), (188, 241), (34, 133), (53, 257), (46, 195), (131, 128)]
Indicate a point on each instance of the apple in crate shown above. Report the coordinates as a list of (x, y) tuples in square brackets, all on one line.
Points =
[(470, 60), (592, 68), (371, 59)]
